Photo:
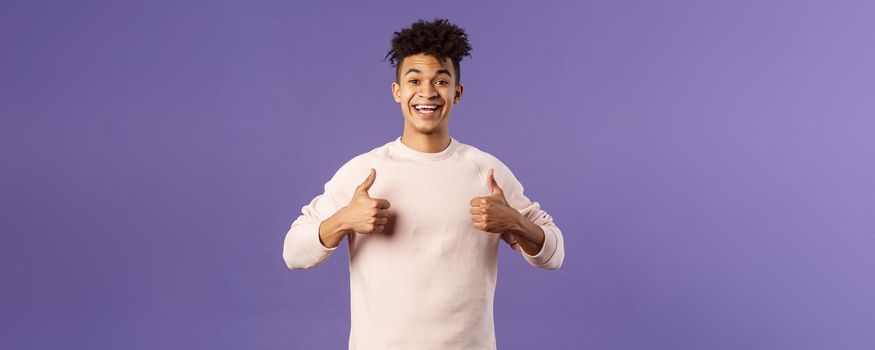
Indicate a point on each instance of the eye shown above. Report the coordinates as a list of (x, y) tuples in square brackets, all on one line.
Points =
[(413, 81), (442, 82)]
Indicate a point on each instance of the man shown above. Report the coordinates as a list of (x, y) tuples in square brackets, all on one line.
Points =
[(423, 215)]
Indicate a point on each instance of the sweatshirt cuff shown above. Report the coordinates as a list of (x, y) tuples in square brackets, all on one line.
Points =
[(547, 250), (316, 248)]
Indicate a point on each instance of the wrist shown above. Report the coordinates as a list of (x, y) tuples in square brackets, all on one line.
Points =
[(332, 231), (525, 231), (338, 225), (519, 225)]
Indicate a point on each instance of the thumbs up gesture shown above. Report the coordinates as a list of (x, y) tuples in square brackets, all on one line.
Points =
[(365, 214), (492, 213)]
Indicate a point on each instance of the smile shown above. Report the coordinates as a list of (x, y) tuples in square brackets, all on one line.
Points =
[(426, 108)]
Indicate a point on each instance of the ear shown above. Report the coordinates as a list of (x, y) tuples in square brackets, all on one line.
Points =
[(459, 89), (396, 92)]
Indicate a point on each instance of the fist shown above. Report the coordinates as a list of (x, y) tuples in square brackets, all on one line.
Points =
[(365, 214), (492, 213)]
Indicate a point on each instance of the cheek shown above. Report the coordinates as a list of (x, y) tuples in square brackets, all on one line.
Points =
[(406, 96), (450, 97)]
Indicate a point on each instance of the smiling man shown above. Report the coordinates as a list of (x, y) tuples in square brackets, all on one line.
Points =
[(423, 215)]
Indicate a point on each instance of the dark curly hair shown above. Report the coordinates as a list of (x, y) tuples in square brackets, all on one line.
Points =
[(438, 38)]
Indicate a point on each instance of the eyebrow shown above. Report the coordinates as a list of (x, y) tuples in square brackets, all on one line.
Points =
[(442, 70)]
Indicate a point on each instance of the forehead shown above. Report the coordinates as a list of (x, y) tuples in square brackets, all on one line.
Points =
[(425, 63)]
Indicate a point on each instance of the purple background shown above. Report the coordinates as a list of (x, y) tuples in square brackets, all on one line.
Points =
[(711, 166)]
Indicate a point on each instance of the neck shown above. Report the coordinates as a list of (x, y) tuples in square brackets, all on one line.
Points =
[(427, 143)]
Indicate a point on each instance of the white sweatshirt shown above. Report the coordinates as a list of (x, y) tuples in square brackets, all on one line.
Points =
[(428, 280)]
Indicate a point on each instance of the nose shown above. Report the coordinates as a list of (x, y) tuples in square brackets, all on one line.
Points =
[(427, 91)]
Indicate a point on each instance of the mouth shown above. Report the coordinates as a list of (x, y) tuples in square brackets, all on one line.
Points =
[(427, 110)]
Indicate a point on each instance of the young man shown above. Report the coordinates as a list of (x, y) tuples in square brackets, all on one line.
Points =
[(423, 215)]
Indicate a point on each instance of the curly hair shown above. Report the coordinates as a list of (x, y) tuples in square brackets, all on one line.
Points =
[(438, 38)]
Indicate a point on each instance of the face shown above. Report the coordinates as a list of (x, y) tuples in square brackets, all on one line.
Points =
[(426, 90)]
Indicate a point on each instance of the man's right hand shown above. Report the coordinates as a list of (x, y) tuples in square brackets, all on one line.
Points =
[(363, 214)]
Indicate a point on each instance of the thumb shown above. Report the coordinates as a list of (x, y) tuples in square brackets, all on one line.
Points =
[(490, 177), (365, 186)]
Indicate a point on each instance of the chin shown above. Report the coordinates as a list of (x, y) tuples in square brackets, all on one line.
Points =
[(428, 131), (424, 127)]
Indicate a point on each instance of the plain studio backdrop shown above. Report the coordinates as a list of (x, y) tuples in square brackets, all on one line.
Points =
[(711, 165)]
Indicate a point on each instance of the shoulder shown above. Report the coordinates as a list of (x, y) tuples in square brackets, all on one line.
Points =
[(477, 155), (484, 161), (357, 169)]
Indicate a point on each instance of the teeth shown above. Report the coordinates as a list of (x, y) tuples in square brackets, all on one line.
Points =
[(432, 107)]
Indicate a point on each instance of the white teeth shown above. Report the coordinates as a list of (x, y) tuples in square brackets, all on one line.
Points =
[(432, 107)]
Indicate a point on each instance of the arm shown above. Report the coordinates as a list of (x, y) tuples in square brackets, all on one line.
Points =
[(529, 236), (313, 236), (317, 233), (550, 253), (529, 230)]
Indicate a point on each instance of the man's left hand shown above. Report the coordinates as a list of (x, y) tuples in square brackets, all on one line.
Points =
[(492, 213)]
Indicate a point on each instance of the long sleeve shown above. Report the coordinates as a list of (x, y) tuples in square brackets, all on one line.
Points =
[(553, 251), (302, 248)]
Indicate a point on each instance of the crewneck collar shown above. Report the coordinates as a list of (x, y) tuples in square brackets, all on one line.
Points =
[(408, 152)]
